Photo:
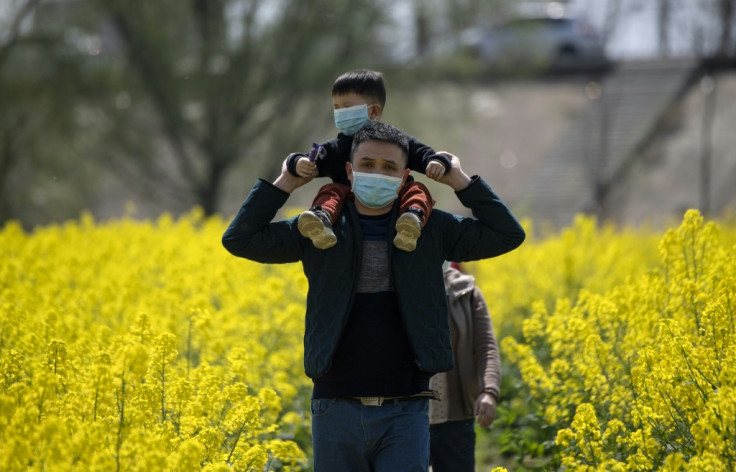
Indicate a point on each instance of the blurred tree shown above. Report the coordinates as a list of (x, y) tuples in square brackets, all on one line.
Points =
[(712, 35), (15, 14), (227, 80), (436, 22), (727, 41), (664, 14), (466, 13), (610, 20), (174, 96), (38, 140)]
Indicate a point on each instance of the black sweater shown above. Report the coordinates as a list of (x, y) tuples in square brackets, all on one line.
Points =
[(374, 356)]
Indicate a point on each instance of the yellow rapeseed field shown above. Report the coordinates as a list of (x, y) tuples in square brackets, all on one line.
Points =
[(146, 346), (641, 375), (143, 345)]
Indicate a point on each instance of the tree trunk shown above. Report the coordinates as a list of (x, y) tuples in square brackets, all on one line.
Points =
[(727, 9), (664, 8), (708, 87)]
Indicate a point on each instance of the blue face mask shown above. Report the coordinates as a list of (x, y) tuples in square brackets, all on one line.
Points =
[(351, 119), (375, 190)]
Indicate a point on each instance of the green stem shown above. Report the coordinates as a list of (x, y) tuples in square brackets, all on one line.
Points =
[(163, 388), (237, 438), (121, 424), (189, 346)]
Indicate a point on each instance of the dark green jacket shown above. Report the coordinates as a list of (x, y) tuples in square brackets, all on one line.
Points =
[(333, 273)]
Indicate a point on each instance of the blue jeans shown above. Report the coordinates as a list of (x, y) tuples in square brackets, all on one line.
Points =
[(350, 437), (452, 446)]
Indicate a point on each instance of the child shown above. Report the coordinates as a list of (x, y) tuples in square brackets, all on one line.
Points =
[(358, 98)]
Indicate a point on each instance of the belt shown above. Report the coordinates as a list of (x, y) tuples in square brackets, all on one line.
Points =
[(378, 401)]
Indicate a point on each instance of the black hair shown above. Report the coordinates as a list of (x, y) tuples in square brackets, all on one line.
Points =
[(364, 82), (378, 131)]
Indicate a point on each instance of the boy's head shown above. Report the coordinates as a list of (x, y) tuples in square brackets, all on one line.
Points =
[(368, 84), (358, 97)]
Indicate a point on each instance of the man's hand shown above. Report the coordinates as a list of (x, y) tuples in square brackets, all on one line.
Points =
[(287, 181), (456, 178), (435, 170), (485, 409), (306, 168)]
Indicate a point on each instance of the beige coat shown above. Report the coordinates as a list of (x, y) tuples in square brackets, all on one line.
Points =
[(477, 361)]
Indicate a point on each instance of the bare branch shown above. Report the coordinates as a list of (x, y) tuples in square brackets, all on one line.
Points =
[(14, 30)]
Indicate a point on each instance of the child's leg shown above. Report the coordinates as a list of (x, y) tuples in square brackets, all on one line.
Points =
[(331, 198), (415, 205), (414, 196), (316, 223)]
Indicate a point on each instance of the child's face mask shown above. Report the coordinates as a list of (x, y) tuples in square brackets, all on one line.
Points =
[(375, 190), (350, 120)]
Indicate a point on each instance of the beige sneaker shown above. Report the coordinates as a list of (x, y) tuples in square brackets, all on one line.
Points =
[(315, 225), (408, 230)]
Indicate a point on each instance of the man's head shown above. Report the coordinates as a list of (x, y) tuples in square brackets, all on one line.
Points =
[(378, 166), (360, 95)]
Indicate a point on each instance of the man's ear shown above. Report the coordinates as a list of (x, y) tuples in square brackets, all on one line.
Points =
[(349, 171), (406, 176)]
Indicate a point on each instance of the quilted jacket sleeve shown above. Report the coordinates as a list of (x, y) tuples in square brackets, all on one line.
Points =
[(420, 155), (253, 236), (485, 347), (493, 231)]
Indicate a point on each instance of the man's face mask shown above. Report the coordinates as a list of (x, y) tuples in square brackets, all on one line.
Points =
[(350, 120), (375, 190)]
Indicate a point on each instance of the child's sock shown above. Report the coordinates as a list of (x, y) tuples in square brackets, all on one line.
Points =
[(408, 230), (315, 224)]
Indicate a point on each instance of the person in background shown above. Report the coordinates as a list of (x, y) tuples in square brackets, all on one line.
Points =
[(471, 388)]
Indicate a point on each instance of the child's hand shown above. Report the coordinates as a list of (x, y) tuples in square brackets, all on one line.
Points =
[(305, 168), (456, 178), (287, 181), (435, 170)]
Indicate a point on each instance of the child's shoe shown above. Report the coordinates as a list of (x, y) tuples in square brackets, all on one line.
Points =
[(316, 225), (408, 230)]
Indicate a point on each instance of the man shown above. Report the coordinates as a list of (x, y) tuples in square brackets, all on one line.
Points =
[(376, 322)]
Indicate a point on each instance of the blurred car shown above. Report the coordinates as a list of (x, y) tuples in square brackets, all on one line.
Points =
[(537, 43)]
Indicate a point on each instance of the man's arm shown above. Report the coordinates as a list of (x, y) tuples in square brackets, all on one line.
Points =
[(493, 231), (455, 177), (252, 235), (487, 360)]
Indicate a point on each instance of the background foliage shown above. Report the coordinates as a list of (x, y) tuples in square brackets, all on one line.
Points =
[(176, 102)]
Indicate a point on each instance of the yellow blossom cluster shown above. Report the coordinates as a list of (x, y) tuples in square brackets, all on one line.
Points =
[(145, 346), (641, 375), (552, 266)]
